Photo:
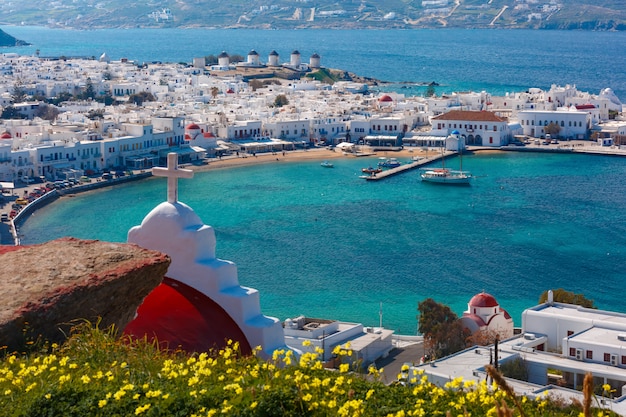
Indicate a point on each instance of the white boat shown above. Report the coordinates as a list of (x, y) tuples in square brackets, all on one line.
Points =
[(444, 175), (389, 163), (327, 164)]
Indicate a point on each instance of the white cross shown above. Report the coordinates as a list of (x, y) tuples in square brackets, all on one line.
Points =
[(173, 173)]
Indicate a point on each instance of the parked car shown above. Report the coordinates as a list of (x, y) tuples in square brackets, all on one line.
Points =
[(21, 201), (4, 217), (85, 178), (106, 176)]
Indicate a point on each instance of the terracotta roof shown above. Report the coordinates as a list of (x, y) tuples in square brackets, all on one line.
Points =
[(470, 116), (483, 300), (585, 107), (193, 126)]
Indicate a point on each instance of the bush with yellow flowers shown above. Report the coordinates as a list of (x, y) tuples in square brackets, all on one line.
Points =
[(96, 374)]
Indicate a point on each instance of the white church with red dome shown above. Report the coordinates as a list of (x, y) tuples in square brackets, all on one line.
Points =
[(485, 314), (200, 304)]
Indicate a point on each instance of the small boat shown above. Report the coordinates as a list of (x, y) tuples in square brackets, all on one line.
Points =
[(371, 170), (389, 163), (327, 164)]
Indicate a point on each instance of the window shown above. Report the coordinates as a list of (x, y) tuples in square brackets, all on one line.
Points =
[(623, 360), (572, 351), (607, 357), (589, 354), (570, 332)]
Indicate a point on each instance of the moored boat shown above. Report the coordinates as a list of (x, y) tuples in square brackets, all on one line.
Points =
[(446, 176), (389, 163), (371, 170), (327, 164)]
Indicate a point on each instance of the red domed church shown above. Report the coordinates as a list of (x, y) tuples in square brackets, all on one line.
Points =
[(485, 314)]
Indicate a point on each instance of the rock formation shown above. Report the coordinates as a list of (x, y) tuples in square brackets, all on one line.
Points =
[(47, 288)]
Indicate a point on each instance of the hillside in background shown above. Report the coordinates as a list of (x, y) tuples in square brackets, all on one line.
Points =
[(346, 14)]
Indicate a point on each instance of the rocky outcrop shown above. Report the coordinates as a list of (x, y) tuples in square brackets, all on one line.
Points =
[(8, 40), (48, 288)]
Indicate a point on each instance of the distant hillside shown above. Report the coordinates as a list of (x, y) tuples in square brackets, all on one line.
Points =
[(8, 40), (341, 14)]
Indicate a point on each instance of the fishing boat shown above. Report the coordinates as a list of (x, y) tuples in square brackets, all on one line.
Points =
[(371, 170), (327, 164)]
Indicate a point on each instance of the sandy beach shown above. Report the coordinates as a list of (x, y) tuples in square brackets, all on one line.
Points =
[(315, 154)]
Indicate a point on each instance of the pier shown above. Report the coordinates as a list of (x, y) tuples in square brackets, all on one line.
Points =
[(406, 167)]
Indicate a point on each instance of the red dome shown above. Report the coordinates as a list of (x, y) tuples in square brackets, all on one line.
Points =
[(179, 316), (385, 98), (6, 135), (483, 300), (193, 126)]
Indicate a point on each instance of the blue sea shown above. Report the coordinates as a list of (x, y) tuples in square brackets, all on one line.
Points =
[(325, 243), (497, 61)]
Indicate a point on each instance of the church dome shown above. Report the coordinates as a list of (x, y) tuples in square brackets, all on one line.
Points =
[(483, 300), (192, 126), (6, 135), (385, 99)]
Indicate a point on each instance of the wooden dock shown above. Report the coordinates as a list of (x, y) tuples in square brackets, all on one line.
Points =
[(405, 167)]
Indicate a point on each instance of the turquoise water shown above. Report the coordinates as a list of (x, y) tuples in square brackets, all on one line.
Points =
[(497, 61), (325, 243)]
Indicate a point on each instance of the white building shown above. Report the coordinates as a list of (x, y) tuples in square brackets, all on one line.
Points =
[(480, 128), (484, 314), (366, 344), (573, 124)]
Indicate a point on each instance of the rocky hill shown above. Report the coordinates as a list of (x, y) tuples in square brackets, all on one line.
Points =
[(8, 40), (342, 14)]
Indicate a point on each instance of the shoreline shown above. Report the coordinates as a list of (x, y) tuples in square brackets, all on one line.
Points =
[(11, 228)]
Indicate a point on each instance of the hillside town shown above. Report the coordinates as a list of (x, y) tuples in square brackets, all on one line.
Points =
[(67, 118)]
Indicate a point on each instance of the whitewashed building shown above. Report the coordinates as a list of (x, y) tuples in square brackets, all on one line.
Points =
[(480, 128), (573, 124)]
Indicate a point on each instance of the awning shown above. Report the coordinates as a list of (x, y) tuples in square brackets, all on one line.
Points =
[(7, 185)]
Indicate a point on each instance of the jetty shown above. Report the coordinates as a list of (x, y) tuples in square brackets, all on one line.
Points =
[(406, 167)]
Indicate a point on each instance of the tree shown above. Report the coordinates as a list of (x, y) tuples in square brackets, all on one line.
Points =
[(430, 90), (281, 100), (552, 129), (89, 92), (140, 98), (563, 296), (442, 330), (10, 112), (18, 95), (47, 112), (214, 92), (236, 58)]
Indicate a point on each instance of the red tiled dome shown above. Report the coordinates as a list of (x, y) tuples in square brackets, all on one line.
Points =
[(483, 300), (385, 99), (6, 135), (193, 126)]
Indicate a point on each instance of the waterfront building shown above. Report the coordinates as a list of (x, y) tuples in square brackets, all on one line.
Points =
[(481, 128), (572, 124)]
